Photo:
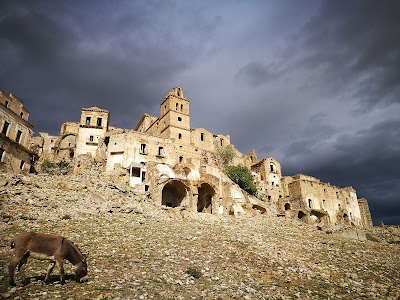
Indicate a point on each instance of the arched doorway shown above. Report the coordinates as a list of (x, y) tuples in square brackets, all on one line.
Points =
[(173, 193), (204, 201), (287, 206)]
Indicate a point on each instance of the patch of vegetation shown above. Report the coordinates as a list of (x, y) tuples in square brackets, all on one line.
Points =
[(226, 155), (242, 176), (55, 168), (194, 273)]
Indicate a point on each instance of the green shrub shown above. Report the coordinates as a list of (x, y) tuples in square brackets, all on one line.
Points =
[(226, 155), (243, 177)]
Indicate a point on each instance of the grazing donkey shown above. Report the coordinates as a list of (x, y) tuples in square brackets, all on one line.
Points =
[(45, 246)]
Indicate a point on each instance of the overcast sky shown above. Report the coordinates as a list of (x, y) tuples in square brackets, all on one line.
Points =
[(314, 84)]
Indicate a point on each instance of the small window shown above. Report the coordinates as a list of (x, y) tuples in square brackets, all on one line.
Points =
[(2, 154), (143, 176), (179, 92), (21, 165), (21, 114), (88, 121), (176, 106), (221, 142), (309, 203), (18, 137), (181, 107), (269, 197), (273, 183), (99, 121), (271, 167), (179, 119), (143, 149), (180, 136), (135, 172), (5, 128), (180, 159), (91, 138), (160, 151), (6, 103), (202, 136)]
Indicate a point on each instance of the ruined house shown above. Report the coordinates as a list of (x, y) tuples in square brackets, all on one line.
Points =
[(15, 137), (179, 167)]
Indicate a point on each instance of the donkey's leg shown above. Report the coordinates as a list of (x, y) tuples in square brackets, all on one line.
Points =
[(21, 268), (49, 270), (61, 268), (12, 265)]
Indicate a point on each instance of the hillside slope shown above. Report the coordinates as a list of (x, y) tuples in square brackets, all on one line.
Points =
[(141, 251)]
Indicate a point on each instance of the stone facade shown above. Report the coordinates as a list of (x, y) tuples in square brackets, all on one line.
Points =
[(180, 166), (15, 136)]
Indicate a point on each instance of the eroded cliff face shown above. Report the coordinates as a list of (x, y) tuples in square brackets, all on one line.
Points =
[(139, 250)]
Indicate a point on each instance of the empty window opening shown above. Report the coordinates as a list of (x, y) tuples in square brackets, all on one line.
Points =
[(309, 203), (272, 168), (180, 159), (180, 136), (273, 183), (21, 114), (287, 206), (6, 103), (179, 119), (143, 149), (99, 121), (202, 136), (146, 188), (21, 165), (181, 107), (18, 137), (160, 151), (135, 172), (179, 92), (2, 154), (143, 176), (88, 121), (269, 197), (176, 106), (5, 128), (91, 138)]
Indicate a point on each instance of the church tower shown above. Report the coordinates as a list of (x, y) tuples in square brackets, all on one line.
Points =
[(174, 121)]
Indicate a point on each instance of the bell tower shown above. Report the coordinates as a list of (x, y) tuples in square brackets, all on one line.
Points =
[(174, 121)]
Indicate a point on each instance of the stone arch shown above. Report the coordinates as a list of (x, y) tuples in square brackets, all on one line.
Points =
[(174, 193), (287, 206), (66, 141), (205, 196)]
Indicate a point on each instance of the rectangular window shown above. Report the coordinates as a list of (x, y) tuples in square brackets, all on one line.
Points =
[(21, 165), (91, 138), (6, 103), (2, 154), (21, 114), (88, 121), (99, 121), (18, 137), (143, 149), (143, 176), (5, 128), (202, 136), (135, 172), (160, 151)]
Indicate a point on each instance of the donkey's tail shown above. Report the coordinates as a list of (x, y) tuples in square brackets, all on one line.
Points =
[(12, 245)]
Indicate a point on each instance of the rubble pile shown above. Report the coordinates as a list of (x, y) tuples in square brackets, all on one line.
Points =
[(138, 250)]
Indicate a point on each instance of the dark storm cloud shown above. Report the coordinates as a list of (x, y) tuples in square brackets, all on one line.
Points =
[(314, 84)]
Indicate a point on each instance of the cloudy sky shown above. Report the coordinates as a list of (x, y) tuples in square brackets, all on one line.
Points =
[(314, 84)]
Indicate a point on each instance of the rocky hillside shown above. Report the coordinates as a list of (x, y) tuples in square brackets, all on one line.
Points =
[(141, 251)]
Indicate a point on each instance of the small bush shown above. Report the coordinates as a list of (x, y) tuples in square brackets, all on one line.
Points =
[(194, 273), (243, 177)]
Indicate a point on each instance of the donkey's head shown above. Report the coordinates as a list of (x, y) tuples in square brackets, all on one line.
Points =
[(81, 270)]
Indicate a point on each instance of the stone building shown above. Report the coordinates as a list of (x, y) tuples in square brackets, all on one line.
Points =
[(179, 166), (15, 138)]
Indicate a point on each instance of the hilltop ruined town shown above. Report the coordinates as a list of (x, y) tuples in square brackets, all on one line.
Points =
[(176, 165)]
